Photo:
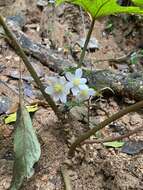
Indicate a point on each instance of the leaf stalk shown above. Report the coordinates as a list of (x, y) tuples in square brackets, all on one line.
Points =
[(86, 43)]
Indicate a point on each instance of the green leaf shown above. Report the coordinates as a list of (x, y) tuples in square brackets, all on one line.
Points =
[(114, 144), (32, 108), (138, 3), (134, 58), (12, 117), (26, 147), (100, 8)]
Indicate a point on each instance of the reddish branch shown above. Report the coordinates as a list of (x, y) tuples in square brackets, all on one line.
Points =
[(111, 139)]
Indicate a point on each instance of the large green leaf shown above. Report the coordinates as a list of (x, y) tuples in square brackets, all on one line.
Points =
[(26, 148), (100, 8), (138, 3)]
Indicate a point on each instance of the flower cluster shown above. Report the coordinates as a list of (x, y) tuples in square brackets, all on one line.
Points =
[(59, 87)]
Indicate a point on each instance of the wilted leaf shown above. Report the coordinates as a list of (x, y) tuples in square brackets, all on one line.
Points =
[(132, 147), (26, 148), (100, 8), (12, 117), (114, 144)]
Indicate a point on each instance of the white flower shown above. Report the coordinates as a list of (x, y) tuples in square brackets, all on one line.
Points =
[(85, 93), (75, 81), (58, 89)]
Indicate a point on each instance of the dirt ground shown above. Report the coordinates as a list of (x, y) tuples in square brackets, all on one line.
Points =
[(94, 167)]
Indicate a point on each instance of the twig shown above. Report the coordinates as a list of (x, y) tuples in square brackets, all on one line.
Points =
[(9, 87), (66, 177), (118, 60), (20, 52), (101, 125), (111, 139)]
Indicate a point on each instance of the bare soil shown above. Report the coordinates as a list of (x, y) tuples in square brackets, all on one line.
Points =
[(94, 167)]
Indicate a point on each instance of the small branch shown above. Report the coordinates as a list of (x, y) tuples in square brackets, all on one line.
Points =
[(86, 43), (20, 52), (119, 60), (101, 125), (66, 177), (111, 139)]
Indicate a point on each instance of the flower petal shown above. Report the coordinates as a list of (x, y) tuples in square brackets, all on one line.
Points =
[(91, 92), (83, 87), (69, 76), (83, 80), (75, 91), (67, 88), (69, 85), (62, 80), (49, 90), (63, 98), (53, 79), (78, 73)]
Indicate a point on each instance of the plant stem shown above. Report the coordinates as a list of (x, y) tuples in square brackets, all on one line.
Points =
[(101, 125), (86, 43), (66, 177), (20, 52), (88, 113), (111, 139)]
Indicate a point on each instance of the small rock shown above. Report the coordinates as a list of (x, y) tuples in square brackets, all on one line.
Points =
[(125, 119), (18, 20), (42, 3), (94, 121), (92, 45), (136, 119), (100, 112), (5, 104), (79, 112)]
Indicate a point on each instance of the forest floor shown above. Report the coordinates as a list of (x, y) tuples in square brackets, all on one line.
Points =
[(94, 167)]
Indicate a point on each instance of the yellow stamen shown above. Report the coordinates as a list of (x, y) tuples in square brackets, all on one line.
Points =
[(58, 88), (76, 82), (84, 93)]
